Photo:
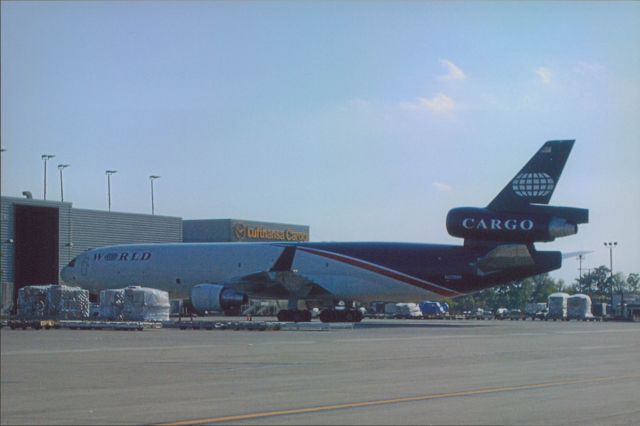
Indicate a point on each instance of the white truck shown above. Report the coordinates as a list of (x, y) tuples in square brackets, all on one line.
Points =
[(557, 306), (579, 308)]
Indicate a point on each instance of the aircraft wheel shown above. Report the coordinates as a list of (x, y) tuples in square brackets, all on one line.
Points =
[(295, 316), (284, 315), (306, 315), (301, 316), (327, 315)]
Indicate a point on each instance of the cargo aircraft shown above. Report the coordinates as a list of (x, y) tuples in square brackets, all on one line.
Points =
[(498, 248)]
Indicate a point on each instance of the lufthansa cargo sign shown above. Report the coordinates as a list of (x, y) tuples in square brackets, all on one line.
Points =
[(244, 231)]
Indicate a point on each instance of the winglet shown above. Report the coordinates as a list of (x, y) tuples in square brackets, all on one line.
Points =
[(285, 261)]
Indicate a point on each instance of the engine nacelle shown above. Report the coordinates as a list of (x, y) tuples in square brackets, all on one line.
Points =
[(484, 224), (215, 297)]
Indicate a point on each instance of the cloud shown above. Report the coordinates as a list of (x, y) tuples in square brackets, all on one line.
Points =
[(440, 103), (545, 74), (589, 68), (441, 186), (453, 72)]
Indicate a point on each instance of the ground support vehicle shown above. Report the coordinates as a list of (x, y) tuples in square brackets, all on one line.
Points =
[(557, 303), (434, 310), (483, 314), (632, 312), (516, 314), (407, 311), (535, 311), (501, 314)]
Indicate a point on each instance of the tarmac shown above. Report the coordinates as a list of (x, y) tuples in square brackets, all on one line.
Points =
[(378, 372)]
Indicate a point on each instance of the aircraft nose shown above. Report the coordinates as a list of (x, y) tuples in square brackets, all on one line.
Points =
[(66, 274)]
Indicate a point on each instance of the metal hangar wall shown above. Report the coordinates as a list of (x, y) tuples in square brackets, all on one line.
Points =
[(38, 238)]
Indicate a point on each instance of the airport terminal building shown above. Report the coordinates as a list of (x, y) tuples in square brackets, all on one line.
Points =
[(38, 237)]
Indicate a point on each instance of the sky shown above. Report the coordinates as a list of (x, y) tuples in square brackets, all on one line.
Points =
[(367, 121)]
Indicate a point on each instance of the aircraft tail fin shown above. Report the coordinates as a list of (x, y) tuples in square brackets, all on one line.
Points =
[(536, 181), (520, 212)]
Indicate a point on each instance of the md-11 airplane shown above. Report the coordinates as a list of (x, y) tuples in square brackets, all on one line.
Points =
[(498, 248)]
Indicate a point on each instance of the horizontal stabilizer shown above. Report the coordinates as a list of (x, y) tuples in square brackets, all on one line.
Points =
[(571, 254)]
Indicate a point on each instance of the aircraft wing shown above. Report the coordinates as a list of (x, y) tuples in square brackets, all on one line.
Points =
[(278, 285)]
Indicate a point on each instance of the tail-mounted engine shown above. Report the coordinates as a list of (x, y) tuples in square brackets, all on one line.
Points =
[(537, 224)]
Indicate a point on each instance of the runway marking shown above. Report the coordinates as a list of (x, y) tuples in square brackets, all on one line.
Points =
[(608, 330), (142, 348), (345, 406)]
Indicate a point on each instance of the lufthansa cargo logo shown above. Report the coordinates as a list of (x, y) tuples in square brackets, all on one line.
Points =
[(240, 231), (243, 232), (533, 184)]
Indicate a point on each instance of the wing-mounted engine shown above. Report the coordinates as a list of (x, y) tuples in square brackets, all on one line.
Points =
[(215, 297), (536, 224)]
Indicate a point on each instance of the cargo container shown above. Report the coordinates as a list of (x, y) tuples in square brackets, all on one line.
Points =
[(53, 302), (134, 303), (557, 306), (579, 308)]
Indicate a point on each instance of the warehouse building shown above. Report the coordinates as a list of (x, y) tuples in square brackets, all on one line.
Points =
[(38, 237)]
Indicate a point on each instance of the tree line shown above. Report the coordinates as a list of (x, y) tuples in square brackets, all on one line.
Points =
[(597, 283)]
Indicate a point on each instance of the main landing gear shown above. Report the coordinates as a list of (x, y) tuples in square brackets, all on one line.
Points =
[(327, 315), (294, 315), (344, 315)]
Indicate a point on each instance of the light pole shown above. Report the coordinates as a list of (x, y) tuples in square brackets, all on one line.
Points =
[(611, 245), (580, 259), (61, 167), (151, 179), (45, 158), (1, 151), (109, 173)]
